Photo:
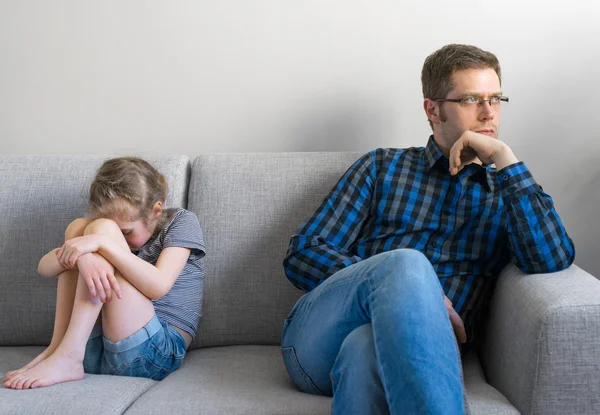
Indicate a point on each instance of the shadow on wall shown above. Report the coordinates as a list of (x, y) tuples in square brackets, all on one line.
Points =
[(340, 124)]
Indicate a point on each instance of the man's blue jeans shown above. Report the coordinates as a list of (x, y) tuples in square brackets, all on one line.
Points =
[(376, 335)]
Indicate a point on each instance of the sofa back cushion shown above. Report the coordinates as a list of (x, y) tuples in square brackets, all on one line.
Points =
[(248, 206), (39, 197)]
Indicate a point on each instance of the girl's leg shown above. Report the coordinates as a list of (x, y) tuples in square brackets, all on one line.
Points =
[(120, 319), (65, 296), (67, 283)]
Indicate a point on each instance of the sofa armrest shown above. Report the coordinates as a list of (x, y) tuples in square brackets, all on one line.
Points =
[(542, 343)]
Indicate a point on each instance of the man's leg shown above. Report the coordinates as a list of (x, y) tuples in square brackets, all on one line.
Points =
[(398, 294), (357, 369)]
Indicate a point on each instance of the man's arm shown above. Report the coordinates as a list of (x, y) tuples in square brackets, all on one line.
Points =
[(321, 246), (538, 241)]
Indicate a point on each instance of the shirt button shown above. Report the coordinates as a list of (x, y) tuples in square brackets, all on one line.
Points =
[(433, 244), (511, 189), (505, 177)]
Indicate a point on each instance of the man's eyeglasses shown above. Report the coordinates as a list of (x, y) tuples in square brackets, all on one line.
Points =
[(472, 102)]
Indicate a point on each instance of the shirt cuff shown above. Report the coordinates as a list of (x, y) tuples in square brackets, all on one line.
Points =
[(516, 181)]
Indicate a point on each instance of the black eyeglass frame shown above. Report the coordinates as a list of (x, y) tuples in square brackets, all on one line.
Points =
[(479, 102)]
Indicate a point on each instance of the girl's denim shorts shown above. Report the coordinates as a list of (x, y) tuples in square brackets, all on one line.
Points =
[(153, 352)]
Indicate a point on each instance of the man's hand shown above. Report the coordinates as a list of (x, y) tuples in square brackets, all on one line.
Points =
[(473, 145), (99, 276), (69, 253), (457, 323)]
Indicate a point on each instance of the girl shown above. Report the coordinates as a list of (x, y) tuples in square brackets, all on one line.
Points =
[(136, 270)]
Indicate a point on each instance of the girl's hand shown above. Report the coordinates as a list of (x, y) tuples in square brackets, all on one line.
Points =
[(72, 249), (99, 276)]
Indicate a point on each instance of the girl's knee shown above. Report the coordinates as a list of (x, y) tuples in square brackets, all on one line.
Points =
[(107, 227), (102, 225), (76, 228)]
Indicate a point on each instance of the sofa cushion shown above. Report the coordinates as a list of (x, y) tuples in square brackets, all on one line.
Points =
[(95, 394), (228, 381), (39, 196), (249, 205), (253, 380), (482, 397)]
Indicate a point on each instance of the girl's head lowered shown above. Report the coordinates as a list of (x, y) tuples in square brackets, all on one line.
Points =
[(132, 193)]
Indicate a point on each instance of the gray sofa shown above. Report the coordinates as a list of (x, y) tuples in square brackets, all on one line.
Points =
[(541, 354)]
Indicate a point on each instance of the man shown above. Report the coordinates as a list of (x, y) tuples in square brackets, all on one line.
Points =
[(407, 247)]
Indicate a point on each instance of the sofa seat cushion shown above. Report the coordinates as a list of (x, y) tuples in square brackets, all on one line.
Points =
[(253, 380), (95, 394), (227, 381), (482, 397)]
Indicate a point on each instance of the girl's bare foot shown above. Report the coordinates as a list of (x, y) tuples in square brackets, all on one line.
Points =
[(55, 369), (47, 352)]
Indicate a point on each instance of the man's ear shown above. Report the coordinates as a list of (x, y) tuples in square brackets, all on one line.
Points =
[(157, 209), (432, 110)]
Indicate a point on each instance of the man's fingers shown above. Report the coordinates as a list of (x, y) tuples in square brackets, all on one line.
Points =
[(456, 321), (459, 327), (455, 156)]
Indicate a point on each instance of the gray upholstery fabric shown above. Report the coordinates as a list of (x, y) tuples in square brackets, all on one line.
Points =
[(249, 205), (94, 395), (228, 381), (39, 196), (481, 397), (253, 380), (542, 348)]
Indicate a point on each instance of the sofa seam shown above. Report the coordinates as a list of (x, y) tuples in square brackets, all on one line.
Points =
[(142, 394)]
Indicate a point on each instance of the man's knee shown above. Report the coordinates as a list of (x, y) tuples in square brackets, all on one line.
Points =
[(356, 357), (406, 256), (407, 267)]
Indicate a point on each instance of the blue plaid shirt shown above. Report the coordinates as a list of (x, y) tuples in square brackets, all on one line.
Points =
[(469, 226)]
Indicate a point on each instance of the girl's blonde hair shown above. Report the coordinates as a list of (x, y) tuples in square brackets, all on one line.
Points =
[(124, 183)]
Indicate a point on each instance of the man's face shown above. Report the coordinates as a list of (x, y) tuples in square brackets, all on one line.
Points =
[(455, 119)]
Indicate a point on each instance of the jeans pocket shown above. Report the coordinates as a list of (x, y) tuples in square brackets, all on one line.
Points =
[(302, 381)]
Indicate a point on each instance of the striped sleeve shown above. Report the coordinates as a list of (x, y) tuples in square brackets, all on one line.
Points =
[(184, 231), (321, 246), (538, 241)]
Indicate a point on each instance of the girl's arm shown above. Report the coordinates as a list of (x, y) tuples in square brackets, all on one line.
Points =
[(152, 281), (49, 265)]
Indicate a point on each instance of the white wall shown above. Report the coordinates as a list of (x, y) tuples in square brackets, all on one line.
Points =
[(150, 76)]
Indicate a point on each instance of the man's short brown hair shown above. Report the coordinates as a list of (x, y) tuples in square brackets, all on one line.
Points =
[(436, 76)]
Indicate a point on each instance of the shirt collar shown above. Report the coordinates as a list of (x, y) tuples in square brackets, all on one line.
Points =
[(434, 156)]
